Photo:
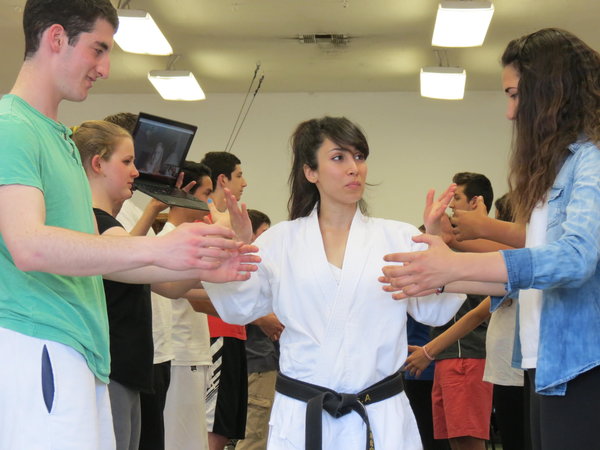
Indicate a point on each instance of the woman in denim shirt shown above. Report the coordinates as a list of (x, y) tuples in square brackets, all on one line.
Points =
[(552, 81)]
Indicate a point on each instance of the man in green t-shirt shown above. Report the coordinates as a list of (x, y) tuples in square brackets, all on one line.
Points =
[(53, 326)]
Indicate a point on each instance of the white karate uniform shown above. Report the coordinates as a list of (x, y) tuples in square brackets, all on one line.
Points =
[(344, 336)]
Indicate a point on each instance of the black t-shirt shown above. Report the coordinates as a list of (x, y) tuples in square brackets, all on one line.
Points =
[(473, 344), (130, 324)]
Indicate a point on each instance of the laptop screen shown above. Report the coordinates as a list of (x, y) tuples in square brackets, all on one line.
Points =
[(161, 146)]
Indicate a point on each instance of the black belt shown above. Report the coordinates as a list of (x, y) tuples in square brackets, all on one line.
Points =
[(320, 398)]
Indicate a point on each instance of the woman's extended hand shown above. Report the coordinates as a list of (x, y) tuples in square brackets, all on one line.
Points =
[(422, 272)]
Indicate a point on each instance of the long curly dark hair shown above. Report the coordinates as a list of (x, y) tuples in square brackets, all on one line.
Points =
[(306, 141), (559, 103)]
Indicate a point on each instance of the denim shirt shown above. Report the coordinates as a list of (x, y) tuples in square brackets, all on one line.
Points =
[(567, 270)]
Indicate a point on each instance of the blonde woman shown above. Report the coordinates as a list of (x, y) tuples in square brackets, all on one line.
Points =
[(107, 155)]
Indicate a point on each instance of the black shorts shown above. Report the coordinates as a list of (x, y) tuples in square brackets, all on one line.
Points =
[(227, 394)]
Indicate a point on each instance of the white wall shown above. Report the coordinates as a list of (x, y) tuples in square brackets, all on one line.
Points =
[(415, 143)]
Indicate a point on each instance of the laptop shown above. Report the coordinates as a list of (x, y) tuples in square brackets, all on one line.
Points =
[(161, 146)]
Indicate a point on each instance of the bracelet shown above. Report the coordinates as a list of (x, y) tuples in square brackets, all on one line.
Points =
[(427, 355), (440, 290)]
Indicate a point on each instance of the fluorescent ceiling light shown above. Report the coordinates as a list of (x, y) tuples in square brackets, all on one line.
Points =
[(138, 33), (446, 83), (176, 84), (462, 23)]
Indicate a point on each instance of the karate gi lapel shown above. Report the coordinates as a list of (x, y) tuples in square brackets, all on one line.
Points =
[(355, 258), (345, 294), (317, 259)]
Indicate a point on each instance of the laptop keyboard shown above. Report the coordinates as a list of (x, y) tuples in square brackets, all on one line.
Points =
[(167, 190), (174, 192)]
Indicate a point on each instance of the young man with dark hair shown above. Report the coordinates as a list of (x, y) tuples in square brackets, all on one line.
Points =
[(74, 17), (462, 401), (470, 186), (227, 396), (226, 173), (53, 323), (194, 172), (185, 408), (260, 222)]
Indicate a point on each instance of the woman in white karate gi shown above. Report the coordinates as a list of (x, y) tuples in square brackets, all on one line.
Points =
[(319, 274)]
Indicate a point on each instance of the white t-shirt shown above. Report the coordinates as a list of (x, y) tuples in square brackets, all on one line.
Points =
[(161, 306), (189, 330), (499, 344), (530, 300)]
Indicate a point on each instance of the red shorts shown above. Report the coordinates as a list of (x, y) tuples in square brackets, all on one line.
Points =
[(461, 401)]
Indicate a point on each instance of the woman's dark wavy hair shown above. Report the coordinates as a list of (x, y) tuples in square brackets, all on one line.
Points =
[(559, 99), (305, 142)]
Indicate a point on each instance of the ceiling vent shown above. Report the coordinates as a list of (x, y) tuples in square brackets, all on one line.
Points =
[(325, 41)]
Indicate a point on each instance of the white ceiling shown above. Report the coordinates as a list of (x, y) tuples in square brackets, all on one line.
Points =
[(390, 40)]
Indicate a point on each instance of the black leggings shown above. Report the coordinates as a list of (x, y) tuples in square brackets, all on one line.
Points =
[(419, 395), (152, 436), (510, 411), (567, 422)]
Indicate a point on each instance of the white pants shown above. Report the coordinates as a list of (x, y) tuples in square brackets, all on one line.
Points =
[(185, 410), (73, 412)]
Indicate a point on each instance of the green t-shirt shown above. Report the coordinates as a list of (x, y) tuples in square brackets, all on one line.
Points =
[(37, 151)]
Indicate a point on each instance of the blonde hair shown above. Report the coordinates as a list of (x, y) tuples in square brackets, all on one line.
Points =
[(97, 137)]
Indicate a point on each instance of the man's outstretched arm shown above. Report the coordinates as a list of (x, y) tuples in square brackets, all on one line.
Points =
[(35, 246)]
